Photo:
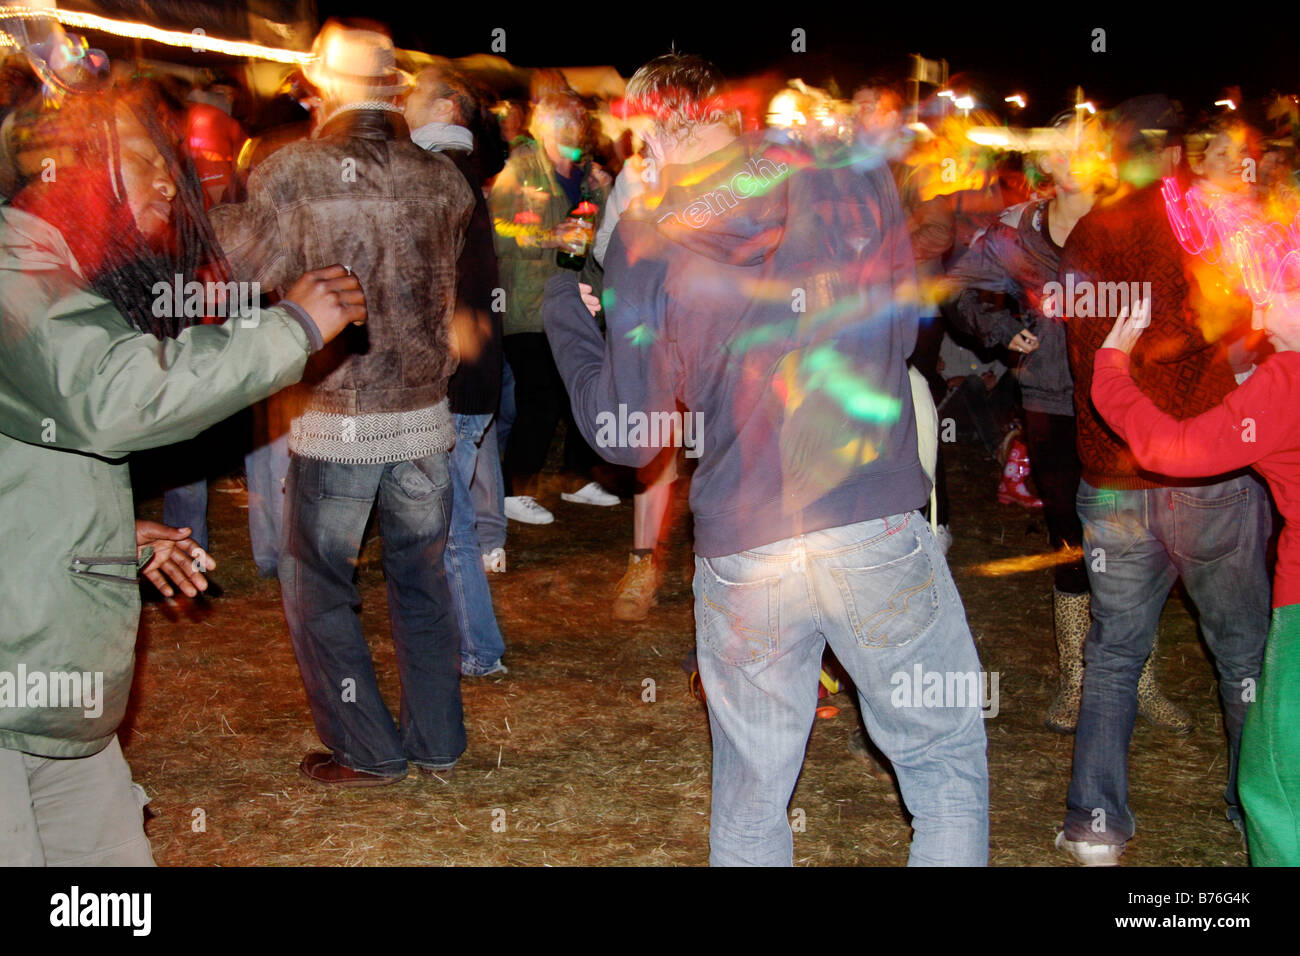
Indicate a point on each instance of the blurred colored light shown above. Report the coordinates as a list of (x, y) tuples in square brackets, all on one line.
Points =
[(141, 31)]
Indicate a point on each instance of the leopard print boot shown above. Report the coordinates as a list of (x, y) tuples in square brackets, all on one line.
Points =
[(1073, 617), (1154, 705)]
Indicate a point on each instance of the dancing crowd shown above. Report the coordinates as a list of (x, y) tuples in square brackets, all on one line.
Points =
[(413, 280)]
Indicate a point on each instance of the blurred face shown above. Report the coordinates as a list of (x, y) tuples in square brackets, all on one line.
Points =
[(1281, 322), (1222, 163), (1085, 169), (1274, 168), (149, 186), (560, 133), (878, 111)]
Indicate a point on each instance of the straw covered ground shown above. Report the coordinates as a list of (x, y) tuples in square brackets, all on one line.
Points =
[(569, 764)]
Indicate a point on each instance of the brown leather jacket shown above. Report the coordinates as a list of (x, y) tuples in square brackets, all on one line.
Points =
[(361, 194)]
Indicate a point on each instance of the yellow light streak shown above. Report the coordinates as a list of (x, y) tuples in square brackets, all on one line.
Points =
[(142, 31), (1027, 562)]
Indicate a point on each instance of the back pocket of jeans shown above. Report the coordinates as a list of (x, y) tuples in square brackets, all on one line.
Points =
[(1096, 505), (343, 482), (891, 604), (422, 478), (738, 622), (1209, 529)]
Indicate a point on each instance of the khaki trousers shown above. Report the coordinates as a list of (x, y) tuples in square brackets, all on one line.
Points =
[(78, 811)]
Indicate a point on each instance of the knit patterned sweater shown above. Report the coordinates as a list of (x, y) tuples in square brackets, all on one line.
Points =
[(1131, 242)]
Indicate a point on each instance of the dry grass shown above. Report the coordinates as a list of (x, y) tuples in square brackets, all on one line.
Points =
[(569, 761)]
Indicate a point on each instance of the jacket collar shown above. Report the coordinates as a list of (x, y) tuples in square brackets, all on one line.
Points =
[(366, 124), (439, 137)]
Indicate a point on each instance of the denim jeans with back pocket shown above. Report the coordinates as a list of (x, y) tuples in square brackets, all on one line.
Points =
[(880, 593), (327, 506), (1136, 544)]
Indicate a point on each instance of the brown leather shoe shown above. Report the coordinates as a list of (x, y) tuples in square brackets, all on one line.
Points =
[(323, 768)]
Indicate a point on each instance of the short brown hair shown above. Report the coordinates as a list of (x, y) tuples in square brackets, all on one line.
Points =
[(680, 91)]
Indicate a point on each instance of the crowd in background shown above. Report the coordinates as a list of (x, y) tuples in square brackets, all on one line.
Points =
[(1021, 240)]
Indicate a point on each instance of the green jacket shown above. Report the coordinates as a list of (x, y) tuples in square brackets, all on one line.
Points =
[(528, 184), (79, 390)]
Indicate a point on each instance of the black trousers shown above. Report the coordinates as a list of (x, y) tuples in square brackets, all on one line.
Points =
[(1054, 461), (541, 401)]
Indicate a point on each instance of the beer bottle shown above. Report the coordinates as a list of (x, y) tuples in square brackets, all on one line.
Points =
[(576, 234)]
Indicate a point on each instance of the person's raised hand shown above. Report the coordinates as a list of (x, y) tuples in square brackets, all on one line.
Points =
[(1128, 327), (333, 298)]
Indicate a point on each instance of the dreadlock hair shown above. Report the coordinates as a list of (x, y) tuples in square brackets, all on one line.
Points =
[(86, 201)]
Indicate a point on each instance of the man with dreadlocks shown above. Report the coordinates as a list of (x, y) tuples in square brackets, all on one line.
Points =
[(89, 372)]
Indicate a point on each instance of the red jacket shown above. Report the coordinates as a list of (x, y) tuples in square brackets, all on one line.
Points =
[(1256, 424)]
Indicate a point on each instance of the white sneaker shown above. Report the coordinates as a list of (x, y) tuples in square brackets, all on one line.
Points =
[(495, 560), (592, 494), (1090, 854), (526, 509)]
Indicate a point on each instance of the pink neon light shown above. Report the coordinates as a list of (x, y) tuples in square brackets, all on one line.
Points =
[(1227, 235)]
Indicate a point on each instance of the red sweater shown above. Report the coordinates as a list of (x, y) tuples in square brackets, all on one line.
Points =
[(1257, 424)]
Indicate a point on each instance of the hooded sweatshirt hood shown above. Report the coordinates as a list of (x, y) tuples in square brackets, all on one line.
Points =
[(731, 206)]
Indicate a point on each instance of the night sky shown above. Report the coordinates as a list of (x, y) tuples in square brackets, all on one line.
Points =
[(1042, 52)]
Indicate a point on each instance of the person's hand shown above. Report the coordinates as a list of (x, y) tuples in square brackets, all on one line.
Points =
[(332, 297), (1128, 327), (1023, 341), (572, 233), (589, 299), (601, 177), (175, 556), (538, 238)]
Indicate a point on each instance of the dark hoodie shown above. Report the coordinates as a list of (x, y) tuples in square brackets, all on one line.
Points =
[(776, 301)]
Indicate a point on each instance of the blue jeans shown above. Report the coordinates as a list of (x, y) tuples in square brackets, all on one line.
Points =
[(488, 491), (880, 593), (481, 643), (186, 506), (327, 505), (266, 467), (506, 413), (1136, 544)]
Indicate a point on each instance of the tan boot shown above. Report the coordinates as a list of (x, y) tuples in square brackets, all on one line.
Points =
[(1154, 705), (1073, 618), (636, 589)]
